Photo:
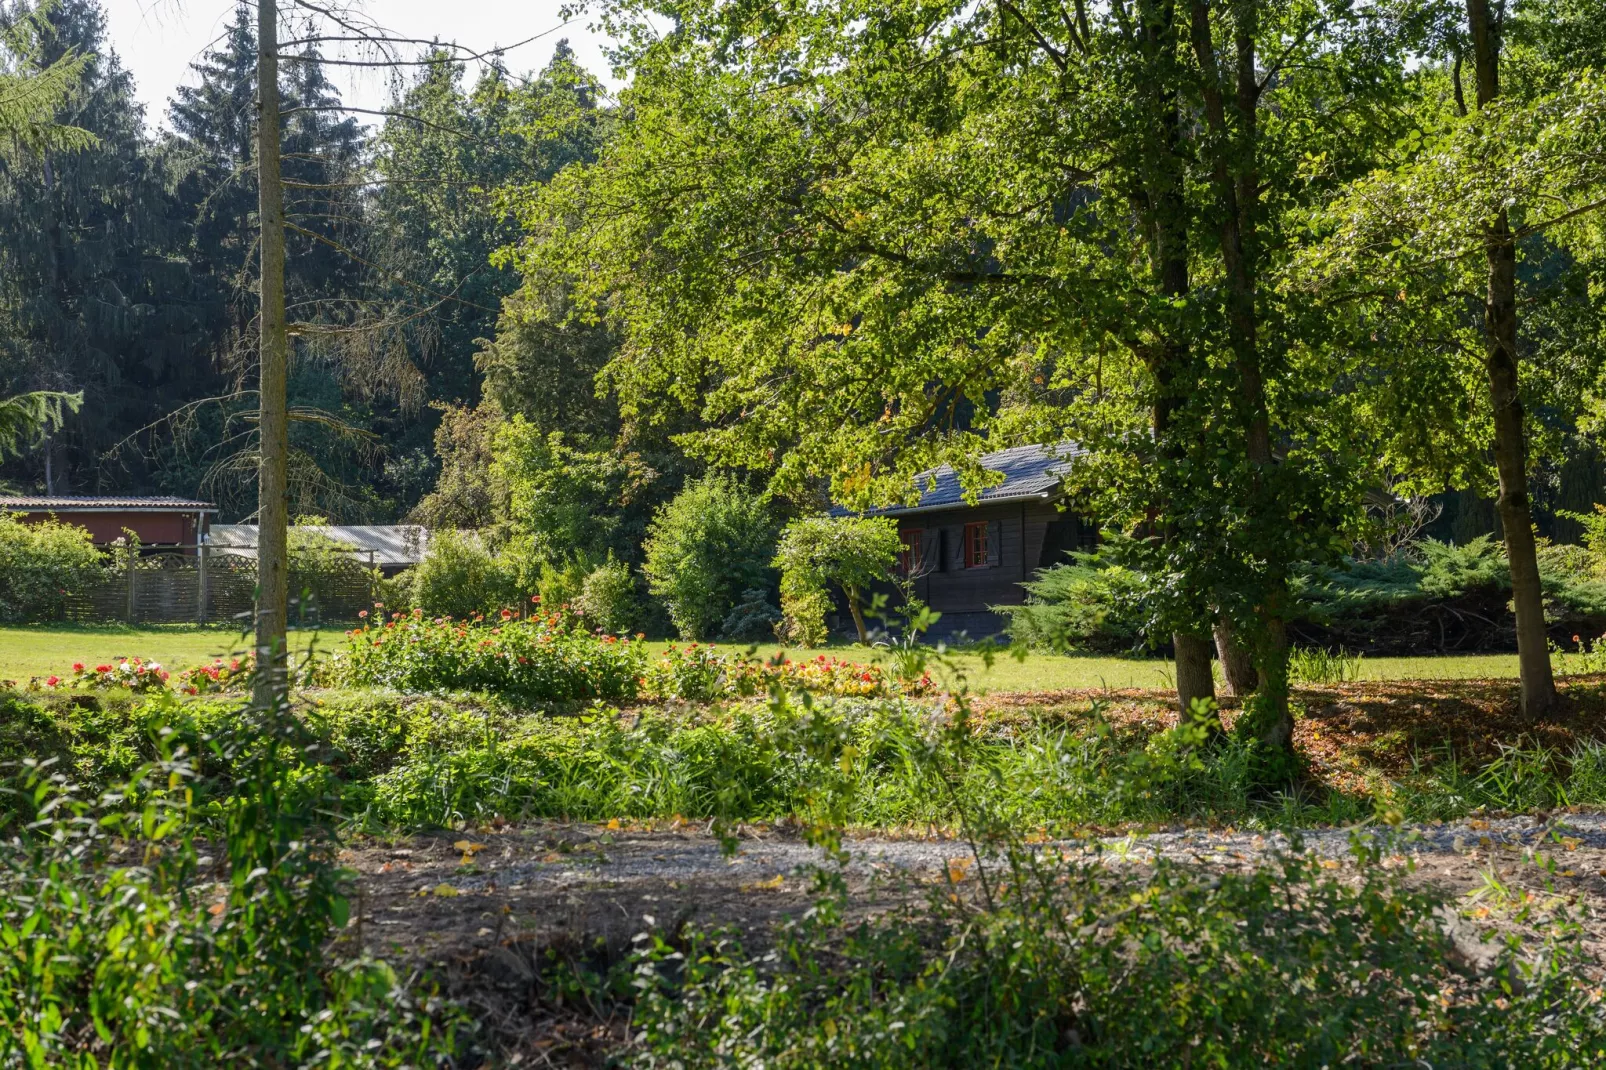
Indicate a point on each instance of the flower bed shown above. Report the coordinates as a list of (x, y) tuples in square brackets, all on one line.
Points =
[(539, 659), (231, 675), (701, 673), (136, 674)]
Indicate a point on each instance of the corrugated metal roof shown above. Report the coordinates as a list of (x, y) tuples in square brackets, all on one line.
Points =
[(390, 544), (74, 504), (1029, 472)]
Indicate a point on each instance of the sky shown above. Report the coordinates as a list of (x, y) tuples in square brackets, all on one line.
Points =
[(158, 39)]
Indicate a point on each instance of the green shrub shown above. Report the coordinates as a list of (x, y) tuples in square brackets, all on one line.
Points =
[(41, 565), (534, 660), (561, 585), (125, 945), (709, 544), (459, 577), (566, 503), (851, 552), (1091, 603), (608, 598), (752, 620)]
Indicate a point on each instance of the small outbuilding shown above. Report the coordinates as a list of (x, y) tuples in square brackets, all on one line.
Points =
[(964, 558), (164, 522)]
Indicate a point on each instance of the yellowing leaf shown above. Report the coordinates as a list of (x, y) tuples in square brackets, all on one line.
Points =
[(1571, 842), (445, 891), (613, 824), (958, 869)]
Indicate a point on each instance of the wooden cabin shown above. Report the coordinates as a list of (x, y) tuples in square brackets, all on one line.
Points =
[(965, 558)]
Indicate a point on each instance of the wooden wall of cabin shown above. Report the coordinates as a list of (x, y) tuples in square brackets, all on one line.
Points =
[(1030, 536)]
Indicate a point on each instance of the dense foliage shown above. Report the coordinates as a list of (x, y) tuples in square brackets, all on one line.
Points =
[(850, 553), (1074, 963), (41, 564), (710, 544), (536, 659), (116, 955), (1424, 596)]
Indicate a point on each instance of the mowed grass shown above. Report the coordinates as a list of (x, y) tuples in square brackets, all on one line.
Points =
[(1071, 672), (45, 649)]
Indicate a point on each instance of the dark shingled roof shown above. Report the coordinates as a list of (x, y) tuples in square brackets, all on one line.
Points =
[(65, 504), (1030, 472)]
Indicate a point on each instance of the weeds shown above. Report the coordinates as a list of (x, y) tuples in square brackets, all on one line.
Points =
[(1322, 667), (1076, 964), (1029, 959), (165, 923)]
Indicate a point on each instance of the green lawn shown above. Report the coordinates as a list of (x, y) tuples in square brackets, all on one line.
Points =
[(43, 650), (1052, 672)]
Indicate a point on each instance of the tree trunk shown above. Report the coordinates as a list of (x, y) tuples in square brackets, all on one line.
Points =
[(858, 616), (273, 496), (1510, 434), (1236, 178), (1237, 665), (1194, 679), (1164, 203)]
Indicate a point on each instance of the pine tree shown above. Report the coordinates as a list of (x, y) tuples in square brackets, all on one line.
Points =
[(94, 294)]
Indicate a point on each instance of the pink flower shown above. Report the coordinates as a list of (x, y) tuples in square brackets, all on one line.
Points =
[(363, 613)]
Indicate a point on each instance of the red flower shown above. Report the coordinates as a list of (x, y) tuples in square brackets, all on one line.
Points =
[(103, 668), (52, 681), (507, 614), (535, 599), (77, 666)]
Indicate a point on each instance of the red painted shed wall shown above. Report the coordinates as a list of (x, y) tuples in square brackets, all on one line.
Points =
[(152, 528)]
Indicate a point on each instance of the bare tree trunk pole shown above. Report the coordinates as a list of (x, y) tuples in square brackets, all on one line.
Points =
[(1510, 435), (273, 498)]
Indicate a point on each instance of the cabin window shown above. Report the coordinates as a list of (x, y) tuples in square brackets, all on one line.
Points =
[(910, 559), (978, 554)]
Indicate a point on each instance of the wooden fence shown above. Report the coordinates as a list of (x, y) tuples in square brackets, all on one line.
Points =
[(175, 585)]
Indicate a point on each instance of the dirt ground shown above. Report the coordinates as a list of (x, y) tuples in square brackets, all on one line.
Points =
[(1352, 732), (500, 915)]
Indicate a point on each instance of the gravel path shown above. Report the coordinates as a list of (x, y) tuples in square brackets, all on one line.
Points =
[(566, 855), (488, 912)]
